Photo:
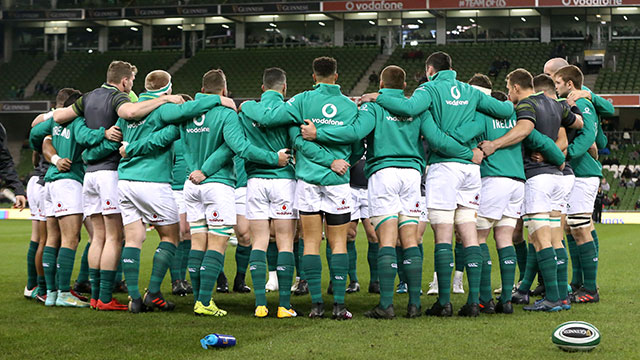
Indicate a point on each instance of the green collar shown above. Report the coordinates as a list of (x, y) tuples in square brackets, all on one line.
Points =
[(392, 92), (271, 95), (444, 75), (201, 95), (328, 88), (147, 96)]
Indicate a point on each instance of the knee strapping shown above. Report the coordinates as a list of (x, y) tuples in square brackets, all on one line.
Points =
[(535, 222), (220, 230), (337, 219), (198, 227), (578, 221), (555, 222), (507, 221), (465, 215), (484, 223), (407, 220), (441, 216), (376, 221)]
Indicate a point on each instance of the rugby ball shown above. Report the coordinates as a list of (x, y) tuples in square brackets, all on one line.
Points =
[(576, 336)]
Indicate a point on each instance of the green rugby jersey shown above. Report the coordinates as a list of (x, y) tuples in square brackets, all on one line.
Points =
[(69, 140), (577, 153), (205, 135), (603, 108), (241, 175), (406, 150), (451, 102), (179, 166), (325, 106)]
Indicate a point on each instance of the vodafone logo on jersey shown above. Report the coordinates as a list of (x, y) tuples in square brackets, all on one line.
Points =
[(329, 111), (455, 93)]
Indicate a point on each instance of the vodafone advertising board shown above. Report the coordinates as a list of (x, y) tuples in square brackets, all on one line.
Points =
[(586, 3), (480, 4), (373, 5)]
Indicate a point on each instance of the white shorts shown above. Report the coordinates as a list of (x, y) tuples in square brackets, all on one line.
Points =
[(241, 201), (150, 202), (35, 195), (332, 199), (100, 192), (583, 195), (270, 199), (424, 213), (501, 196), (395, 191), (178, 197), (542, 193), (63, 197), (360, 200), (450, 184), (567, 186), (214, 202)]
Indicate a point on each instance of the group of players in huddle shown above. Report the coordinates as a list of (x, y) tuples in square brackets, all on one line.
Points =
[(283, 176)]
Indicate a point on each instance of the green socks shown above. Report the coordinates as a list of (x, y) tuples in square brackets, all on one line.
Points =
[(508, 258), (340, 269), (299, 267), (594, 235), (42, 285), (32, 274), (131, 269), (372, 259), (193, 266), (312, 265), (563, 276), (327, 255), (118, 276), (66, 258), (107, 278), (242, 260), (83, 275), (547, 263), (400, 255), (161, 261), (589, 260), (521, 256), (576, 267), (413, 269), (353, 260), (49, 257), (473, 263), (185, 246), (443, 264), (485, 275), (421, 250), (176, 263), (387, 269), (286, 263), (94, 278), (258, 268), (458, 254), (530, 271), (212, 264), (272, 256)]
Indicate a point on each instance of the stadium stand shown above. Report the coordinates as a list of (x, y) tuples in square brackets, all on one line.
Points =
[(244, 68), (17, 74), (85, 71), (626, 78)]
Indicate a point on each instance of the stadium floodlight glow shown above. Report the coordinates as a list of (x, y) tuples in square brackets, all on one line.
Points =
[(180, 27), (133, 28), (372, 22), (523, 19), (468, 11), (472, 20), (598, 16), (367, 14), (267, 16), (632, 8), (420, 21), (413, 26), (321, 23), (90, 51), (414, 43), (625, 17), (89, 29), (315, 15), (603, 22), (225, 26), (273, 25), (521, 10), (576, 18), (389, 20)]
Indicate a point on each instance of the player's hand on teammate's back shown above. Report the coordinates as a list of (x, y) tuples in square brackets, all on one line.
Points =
[(113, 134), (308, 130), (284, 155), (197, 177), (228, 102), (537, 157), (561, 167), (63, 165), (176, 99), (123, 149), (577, 94), (478, 155), (21, 202), (340, 166), (487, 147), (371, 97), (240, 106)]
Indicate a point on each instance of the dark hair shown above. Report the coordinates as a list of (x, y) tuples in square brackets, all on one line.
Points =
[(393, 77), (213, 81), (570, 72), (480, 80), (274, 77), (439, 60), (67, 96), (499, 95), (325, 66), (543, 82), (520, 77)]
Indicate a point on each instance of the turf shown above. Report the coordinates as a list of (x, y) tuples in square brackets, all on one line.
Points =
[(29, 330)]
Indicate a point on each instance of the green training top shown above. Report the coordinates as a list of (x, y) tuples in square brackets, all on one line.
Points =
[(180, 174), (577, 153), (69, 140), (325, 106), (241, 174), (603, 108), (451, 102)]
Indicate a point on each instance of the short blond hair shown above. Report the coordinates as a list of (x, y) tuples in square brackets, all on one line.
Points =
[(214, 81)]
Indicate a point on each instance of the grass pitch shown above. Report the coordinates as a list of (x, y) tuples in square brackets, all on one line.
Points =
[(29, 330)]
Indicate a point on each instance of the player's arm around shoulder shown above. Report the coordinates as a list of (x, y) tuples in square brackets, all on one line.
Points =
[(234, 136), (492, 106), (418, 103), (39, 132)]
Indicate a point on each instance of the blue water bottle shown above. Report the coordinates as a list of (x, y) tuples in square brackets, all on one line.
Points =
[(217, 341)]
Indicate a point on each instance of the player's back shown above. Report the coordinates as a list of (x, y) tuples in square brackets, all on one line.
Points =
[(505, 162)]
